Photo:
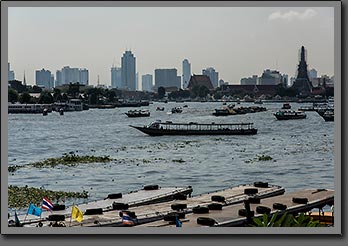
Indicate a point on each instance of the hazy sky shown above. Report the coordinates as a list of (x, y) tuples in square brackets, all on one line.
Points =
[(237, 41)]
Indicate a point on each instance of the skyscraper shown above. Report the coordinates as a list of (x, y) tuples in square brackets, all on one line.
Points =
[(116, 78), (212, 74), (128, 69), (11, 74), (147, 83), (72, 75), (167, 77), (43, 78), (186, 73)]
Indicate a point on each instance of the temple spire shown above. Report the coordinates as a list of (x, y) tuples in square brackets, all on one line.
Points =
[(24, 81)]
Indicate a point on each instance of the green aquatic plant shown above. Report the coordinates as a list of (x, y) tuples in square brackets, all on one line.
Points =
[(70, 159), (21, 197)]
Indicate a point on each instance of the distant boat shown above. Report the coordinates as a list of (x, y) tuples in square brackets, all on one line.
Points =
[(176, 110), (160, 109), (306, 108), (286, 106), (45, 112), (157, 128), (138, 113), (329, 115), (290, 115), (61, 111)]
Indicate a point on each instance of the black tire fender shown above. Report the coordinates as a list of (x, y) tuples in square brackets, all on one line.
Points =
[(178, 206), (151, 187), (119, 206), (173, 216), (56, 217), (279, 206), (93, 211), (200, 210), (300, 200), (58, 207), (250, 191), (261, 184), (218, 198), (254, 200), (179, 196), (115, 196), (206, 221), (263, 210)]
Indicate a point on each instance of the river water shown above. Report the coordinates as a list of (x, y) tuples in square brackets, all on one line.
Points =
[(302, 151)]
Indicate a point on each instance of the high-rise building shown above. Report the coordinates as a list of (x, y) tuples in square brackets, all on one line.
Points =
[(128, 68), (11, 74), (116, 78), (43, 78), (213, 75), (271, 77), (167, 77), (186, 73), (254, 80), (312, 74), (72, 75), (146, 82)]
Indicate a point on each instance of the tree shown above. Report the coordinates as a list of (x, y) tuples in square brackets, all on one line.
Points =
[(12, 95), (74, 89), (161, 92), (25, 97), (45, 97), (203, 91), (57, 96)]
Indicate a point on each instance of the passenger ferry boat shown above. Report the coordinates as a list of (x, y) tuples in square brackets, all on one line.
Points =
[(329, 115), (158, 128), (290, 115), (28, 108), (138, 113)]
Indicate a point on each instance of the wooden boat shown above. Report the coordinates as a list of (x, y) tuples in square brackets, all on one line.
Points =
[(224, 112), (158, 128), (235, 215), (160, 211), (329, 115), (286, 106), (149, 194), (290, 115), (176, 110), (138, 113)]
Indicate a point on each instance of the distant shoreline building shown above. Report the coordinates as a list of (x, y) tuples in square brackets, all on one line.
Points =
[(44, 78), (254, 80), (11, 73), (116, 77), (69, 75), (167, 77), (128, 71), (147, 82), (186, 73), (213, 75)]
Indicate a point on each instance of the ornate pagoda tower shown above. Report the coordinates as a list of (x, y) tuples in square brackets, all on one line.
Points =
[(302, 82)]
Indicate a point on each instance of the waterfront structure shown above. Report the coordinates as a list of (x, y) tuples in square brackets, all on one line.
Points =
[(146, 82), (116, 78), (11, 74), (43, 78), (72, 75), (270, 77), (302, 82), (167, 77), (254, 80), (200, 80), (128, 71), (257, 90), (186, 73), (213, 75)]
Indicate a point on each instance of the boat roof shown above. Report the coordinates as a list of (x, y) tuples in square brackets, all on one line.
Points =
[(203, 124)]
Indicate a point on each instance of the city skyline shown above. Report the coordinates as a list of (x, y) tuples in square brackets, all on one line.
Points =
[(237, 42)]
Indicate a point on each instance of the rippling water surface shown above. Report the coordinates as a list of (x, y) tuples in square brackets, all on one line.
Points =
[(302, 151)]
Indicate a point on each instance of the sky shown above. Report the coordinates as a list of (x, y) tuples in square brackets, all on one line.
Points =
[(237, 41)]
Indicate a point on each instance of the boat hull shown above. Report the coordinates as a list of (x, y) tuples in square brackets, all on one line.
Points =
[(297, 117), (162, 132)]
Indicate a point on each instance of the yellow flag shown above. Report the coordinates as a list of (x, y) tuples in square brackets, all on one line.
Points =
[(76, 214)]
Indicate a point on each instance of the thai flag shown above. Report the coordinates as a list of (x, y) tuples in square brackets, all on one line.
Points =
[(47, 204), (127, 220)]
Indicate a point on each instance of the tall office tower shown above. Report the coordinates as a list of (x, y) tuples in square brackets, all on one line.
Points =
[(302, 82), (72, 75), (147, 84), (213, 75), (58, 78), (11, 74), (84, 75), (43, 78), (312, 74), (128, 71), (116, 79), (186, 73), (167, 77)]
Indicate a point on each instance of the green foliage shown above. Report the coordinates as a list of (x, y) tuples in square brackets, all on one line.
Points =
[(46, 98), (25, 98), (161, 92), (286, 220), (21, 197), (12, 95)]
